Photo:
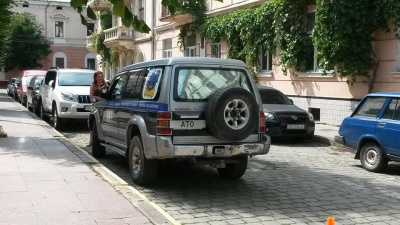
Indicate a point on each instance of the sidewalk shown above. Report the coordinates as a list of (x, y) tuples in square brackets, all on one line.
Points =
[(44, 179), (325, 134)]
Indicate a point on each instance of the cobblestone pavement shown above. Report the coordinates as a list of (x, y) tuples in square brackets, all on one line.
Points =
[(296, 183)]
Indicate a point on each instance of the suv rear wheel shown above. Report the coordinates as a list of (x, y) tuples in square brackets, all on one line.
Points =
[(143, 171), (98, 151), (372, 158), (234, 171), (231, 114)]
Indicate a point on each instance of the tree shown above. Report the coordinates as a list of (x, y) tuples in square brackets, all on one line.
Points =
[(25, 45), (5, 15), (121, 10)]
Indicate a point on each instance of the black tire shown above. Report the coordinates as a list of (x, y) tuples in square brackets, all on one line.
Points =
[(57, 121), (372, 158), (234, 171), (42, 113), (24, 101), (36, 107), (143, 171), (98, 151), (232, 114)]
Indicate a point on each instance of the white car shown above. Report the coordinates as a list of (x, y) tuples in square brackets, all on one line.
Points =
[(65, 94)]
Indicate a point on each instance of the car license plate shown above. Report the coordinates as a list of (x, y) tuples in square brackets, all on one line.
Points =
[(187, 124), (87, 107), (295, 126)]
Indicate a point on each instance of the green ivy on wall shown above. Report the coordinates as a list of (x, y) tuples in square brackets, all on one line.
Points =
[(98, 38), (343, 33)]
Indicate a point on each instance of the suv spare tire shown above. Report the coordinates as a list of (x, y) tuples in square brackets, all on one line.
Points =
[(232, 114)]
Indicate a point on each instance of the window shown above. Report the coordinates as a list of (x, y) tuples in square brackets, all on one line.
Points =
[(190, 50), (89, 29), (91, 63), (167, 48), (135, 84), (200, 83), (266, 60), (59, 29), (119, 87), (60, 63), (311, 61), (371, 107), (216, 50)]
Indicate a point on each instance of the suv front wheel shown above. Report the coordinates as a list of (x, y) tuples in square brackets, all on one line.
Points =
[(57, 121), (143, 171)]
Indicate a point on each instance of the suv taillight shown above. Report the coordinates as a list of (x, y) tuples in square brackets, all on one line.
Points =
[(262, 123), (163, 119)]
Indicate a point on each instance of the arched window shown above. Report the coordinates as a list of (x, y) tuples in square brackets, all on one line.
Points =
[(60, 60)]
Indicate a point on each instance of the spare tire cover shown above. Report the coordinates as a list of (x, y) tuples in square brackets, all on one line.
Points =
[(232, 114)]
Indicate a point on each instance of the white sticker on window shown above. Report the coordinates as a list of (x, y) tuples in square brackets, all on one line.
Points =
[(151, 86)]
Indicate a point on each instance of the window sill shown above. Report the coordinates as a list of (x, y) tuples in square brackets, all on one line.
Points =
[(396, 74), (265, 74), (329, 74)]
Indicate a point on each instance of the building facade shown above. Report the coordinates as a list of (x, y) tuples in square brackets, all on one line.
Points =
[(328, 97), (63, 28)]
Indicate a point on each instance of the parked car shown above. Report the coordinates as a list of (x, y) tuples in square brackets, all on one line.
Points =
[(284, 119), (33, 94), (373, 129), (25, 78), (15, 89), (204, 111), (10, 87), (65, 94)]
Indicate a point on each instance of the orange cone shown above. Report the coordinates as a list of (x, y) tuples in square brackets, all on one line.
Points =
[(330, 221)]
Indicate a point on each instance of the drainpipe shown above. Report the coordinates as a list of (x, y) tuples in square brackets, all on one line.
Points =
[(152, 29), (45, 28)]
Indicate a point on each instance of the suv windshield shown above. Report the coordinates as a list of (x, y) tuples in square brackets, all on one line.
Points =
[(273, 97), (26, 80), (75, 78), (200, 83)]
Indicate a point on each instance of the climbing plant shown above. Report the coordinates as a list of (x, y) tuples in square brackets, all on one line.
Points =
[(343, 33), (98, 38)]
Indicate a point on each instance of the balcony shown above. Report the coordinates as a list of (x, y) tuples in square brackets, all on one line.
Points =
[(89, 44), (99, 5), (119, 38), (179, 17)]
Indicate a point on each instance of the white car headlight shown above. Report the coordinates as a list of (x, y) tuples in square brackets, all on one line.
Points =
[(310, 117), (68, 96), (270, 118)]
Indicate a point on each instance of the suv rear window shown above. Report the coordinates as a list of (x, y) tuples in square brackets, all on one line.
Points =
[(273, 97), (199, 83)]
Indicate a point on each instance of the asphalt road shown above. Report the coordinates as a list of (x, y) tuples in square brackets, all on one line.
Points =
[(296, 183)]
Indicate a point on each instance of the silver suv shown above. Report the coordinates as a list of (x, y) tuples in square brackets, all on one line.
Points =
[(205, 111)]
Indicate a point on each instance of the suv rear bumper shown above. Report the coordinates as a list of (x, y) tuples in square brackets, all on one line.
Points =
[(166, 149)]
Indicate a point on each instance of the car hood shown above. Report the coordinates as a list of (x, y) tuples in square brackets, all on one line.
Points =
[(78, 90), (279, 108)]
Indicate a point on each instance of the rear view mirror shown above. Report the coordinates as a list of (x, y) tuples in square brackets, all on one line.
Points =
[(52, 84)]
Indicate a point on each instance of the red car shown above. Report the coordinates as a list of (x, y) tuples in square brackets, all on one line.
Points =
[(22, 86)]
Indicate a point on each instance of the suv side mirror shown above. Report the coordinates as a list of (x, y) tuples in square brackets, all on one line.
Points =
[(104, 93), (30, 88), (52, 84), (291, 101), (18, 84)]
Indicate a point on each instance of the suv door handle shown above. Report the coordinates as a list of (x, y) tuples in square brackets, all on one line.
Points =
[(381, 124)]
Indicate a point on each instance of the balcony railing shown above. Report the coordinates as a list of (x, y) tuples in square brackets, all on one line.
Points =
[(99, 5), (119, 37), (179, 17), (89, 43)]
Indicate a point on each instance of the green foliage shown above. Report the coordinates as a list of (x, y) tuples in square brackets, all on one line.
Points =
[(344, 32), (25, 44), (5, 16), (98, 37)]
